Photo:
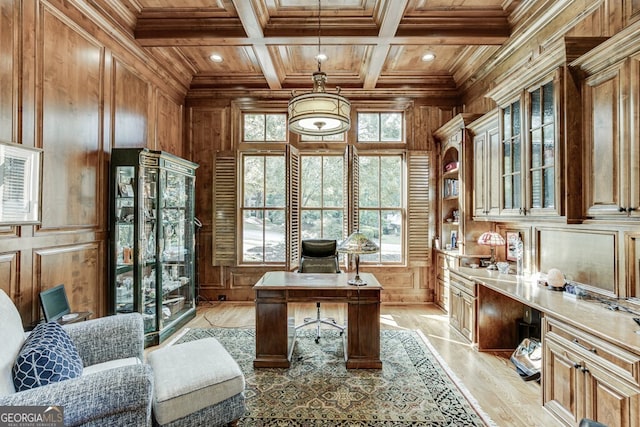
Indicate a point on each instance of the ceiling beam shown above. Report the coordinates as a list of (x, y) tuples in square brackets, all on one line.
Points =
[(251, 25), (452, 30), (390, 20)]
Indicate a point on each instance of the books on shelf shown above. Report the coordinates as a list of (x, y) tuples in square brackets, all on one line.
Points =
[(450, 187)]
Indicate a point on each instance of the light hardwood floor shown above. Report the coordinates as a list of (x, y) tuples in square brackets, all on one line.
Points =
[(490, 377)]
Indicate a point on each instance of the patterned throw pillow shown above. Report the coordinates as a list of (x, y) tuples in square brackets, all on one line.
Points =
[(47, 356)]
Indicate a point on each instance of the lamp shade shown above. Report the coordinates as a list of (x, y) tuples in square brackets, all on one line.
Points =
[(491, 238), (319, 113), (358, 243)]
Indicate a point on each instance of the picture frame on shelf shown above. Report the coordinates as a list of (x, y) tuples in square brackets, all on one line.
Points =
[(510, 242), (20, 180)]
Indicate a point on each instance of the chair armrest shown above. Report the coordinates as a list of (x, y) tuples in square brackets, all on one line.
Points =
[(124, 394), (108, 338)]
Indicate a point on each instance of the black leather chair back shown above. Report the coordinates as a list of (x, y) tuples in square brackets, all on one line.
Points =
[(319, 256)]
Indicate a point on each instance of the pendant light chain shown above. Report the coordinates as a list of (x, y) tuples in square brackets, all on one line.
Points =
[(319, 33), (319, 113)]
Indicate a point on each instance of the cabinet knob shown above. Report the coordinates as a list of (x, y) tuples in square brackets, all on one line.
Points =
[(584, 370), (621, 209), (577, 365), (630, 209)]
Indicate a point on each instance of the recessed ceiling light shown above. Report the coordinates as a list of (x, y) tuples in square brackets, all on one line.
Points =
[(428, 57), (321, 57), (214, 57)]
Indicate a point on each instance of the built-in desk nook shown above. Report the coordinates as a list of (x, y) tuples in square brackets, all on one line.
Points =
[(591, 352)]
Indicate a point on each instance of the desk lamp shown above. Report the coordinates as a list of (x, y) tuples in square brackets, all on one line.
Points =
[(357, 243), (491, 239)]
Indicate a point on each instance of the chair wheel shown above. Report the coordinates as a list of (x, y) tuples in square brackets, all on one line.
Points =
[(317, 340), (341, 333)]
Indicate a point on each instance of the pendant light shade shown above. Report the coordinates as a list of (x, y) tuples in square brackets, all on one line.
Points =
[(319, 113)]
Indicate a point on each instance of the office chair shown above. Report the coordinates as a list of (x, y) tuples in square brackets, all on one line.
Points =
[(319, 256)]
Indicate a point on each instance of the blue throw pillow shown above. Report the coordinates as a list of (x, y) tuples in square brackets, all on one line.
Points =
[(47, 356)]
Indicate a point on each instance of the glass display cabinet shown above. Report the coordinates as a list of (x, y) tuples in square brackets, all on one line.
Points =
[(152, 239)]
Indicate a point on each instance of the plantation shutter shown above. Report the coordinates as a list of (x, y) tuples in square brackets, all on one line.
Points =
[(224, 208), (293, 202), (351, 183), (418, 209)]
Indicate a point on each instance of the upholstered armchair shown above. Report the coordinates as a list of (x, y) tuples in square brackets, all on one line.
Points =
[(115, 387)]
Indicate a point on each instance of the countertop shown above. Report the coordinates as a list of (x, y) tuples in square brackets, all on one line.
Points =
[(590, 315)]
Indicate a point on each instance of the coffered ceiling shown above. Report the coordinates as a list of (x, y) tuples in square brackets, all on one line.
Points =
[(371, 45)]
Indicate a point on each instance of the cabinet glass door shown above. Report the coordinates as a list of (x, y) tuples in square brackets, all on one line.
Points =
[(176, 244), (126, 295), (512, 158), (147, 217)]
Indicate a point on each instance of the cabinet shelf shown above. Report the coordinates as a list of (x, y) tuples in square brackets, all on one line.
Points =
[(453, 173)]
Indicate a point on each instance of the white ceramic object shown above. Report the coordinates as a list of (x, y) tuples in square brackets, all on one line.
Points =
[(555, 278)]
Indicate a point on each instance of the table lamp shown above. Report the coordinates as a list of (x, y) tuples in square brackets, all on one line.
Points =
[(491, 239), (357, 243)]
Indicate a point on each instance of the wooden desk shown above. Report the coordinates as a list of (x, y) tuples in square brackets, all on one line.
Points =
[(278, 288)]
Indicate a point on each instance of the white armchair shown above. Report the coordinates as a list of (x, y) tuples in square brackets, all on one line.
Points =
[(116, 387)]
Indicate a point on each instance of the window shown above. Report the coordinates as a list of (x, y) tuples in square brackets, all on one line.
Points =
[(321, 196), (327, 138), (265, 127), (265, 202), (542, 134), (512, 145), (263, 209), (380, 127), (381, 205)]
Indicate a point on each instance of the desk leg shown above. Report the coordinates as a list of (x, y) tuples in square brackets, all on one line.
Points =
[(363, 332), (271, 330)]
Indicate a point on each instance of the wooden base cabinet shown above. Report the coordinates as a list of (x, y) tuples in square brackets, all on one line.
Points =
[(462, 305), (584, 376)]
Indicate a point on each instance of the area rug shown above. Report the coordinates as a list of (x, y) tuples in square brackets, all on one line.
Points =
[(413, 388)]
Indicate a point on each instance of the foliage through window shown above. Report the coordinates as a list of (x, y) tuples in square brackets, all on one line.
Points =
[(381, 205), (265, 127), (380, 127), (263, 209), (321, 196), (327, 138)]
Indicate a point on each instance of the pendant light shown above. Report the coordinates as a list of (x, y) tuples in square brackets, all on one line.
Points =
[(319, 113)]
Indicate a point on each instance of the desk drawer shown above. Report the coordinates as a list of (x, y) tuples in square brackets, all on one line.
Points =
[(596, 349), (462, 283)]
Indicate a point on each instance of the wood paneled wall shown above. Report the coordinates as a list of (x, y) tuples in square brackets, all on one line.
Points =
[(73, 88)]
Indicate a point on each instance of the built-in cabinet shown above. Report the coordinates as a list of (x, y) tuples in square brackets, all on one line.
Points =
[(152, 239), (611, 100), (529, 152), (442, 280), (462, 305), (454, 138), (584, 376), (486, 157)]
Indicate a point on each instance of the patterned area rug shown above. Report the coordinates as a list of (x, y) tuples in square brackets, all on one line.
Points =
[(412, 389)]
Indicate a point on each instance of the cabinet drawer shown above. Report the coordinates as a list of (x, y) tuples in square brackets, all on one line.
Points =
[(462, 283), (596, 349)]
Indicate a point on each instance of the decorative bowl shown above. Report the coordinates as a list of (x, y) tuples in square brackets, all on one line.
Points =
[(503, 267)]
